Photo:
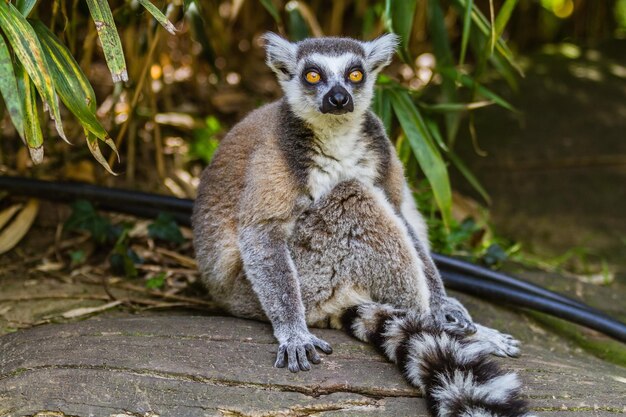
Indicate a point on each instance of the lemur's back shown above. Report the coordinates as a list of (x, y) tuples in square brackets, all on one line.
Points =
[(220, 192)]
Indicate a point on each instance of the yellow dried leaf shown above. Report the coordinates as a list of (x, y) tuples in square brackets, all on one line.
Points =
[(7, 214), (15, 231)]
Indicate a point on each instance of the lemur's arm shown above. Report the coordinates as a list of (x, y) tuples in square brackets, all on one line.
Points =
[(267, 208), (272, 274)]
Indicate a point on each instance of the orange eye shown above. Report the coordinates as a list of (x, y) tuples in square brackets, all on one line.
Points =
[(312, 77), (356, 76)]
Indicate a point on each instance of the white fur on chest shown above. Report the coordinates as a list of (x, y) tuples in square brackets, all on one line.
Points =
[(343, 156)]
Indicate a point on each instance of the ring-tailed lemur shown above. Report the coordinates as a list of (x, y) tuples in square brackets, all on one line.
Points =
[(304, 218)]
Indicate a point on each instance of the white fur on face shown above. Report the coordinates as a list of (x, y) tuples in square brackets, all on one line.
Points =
[(334, 70)]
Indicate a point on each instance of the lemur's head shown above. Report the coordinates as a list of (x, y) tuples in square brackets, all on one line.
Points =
[(329, 78)]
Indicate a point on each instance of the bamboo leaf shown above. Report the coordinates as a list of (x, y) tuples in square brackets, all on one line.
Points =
[(504, 15), (436, 134), (455, 107), (425, 151), (25, 6), (269, 6), (399, 16), (469, 176), (32, 126), (75, 90), (94, 147), (467, 26), (483, 25), (382, 107), (8, 89), (470, 83), (27, 48), (443, 54), (111, 44), (160, 17)]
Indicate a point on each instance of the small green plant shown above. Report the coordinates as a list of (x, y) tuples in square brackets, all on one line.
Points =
[(166, 229), (205, 141), (156, 282), (115, 238)]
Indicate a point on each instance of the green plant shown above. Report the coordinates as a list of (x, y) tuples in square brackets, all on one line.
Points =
[(115, 238), (423, 114), (34, 62)]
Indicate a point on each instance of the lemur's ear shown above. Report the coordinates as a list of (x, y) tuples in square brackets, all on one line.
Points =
[(379, 52), (280, 55)]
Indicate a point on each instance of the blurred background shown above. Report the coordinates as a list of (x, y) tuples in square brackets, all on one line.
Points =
[(509, 115)]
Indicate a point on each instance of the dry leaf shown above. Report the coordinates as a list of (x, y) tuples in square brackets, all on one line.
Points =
[(83, 311), (15, 231), (7, 214)]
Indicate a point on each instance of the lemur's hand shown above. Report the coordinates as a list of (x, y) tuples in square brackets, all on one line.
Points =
[(297, 349), (454, 318)]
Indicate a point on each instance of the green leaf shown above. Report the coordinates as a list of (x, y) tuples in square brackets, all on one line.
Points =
[(269, 6), (470, 83), (399, 16), (425, 151), (77, 257), (85, 217), (160, 17), (32, 126), (8, 89), (469, 176), (111, 44), (27, 48), (75, 90), (467, 26), (382, 107), (156, 282), (504, 15), (25, 6), (298, 29), (436, 134), (484, 26), (455, 107), (443, 55), (165, 228)]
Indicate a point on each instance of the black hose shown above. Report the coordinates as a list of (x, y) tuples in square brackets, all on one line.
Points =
[(114, 199), (448, 263), (501, 293), (458, 275)]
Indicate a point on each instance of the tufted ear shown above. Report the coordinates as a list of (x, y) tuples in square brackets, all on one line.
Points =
[(280, 55), (379, 52)]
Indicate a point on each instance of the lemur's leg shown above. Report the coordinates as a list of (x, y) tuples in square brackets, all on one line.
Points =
[(499, 344), (445, 312), (352, 243)]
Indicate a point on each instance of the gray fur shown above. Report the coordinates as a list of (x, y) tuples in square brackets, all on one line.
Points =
[(301, 215)]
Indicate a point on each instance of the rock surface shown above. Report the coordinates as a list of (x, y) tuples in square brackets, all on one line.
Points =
[(221, 366)]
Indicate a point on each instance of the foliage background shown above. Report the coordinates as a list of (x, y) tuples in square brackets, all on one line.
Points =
[(185, 90)]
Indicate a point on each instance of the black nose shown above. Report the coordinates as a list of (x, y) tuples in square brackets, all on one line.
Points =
[(337, 101)]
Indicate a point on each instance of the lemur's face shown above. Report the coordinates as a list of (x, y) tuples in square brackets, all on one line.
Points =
[(328, 78)]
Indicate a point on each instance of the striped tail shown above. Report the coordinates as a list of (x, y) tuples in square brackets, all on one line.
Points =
[(455, 373)]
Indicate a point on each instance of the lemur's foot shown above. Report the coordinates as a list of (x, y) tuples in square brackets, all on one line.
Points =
[(454, 318), (499, 344), (296, 351)]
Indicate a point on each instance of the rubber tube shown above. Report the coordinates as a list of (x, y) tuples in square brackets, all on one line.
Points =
[(466, 268), (499, 292), (459, 275)]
